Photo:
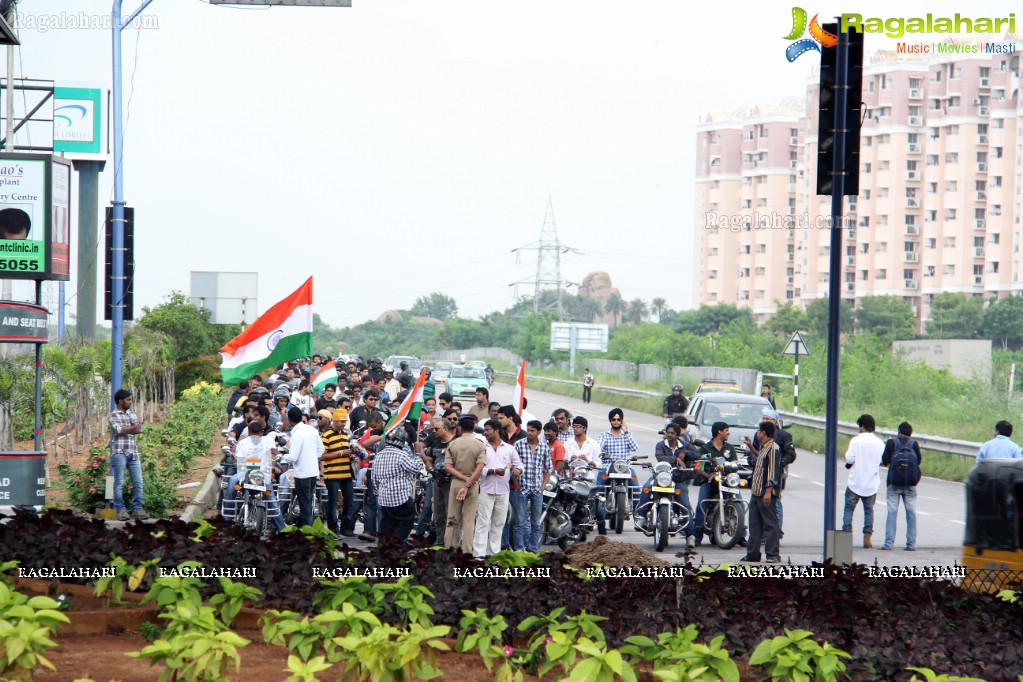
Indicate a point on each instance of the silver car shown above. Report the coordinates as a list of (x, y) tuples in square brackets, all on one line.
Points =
[(740, 411)]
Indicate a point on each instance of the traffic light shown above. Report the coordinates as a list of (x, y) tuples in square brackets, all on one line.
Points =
[(128, 297), (853, 113)]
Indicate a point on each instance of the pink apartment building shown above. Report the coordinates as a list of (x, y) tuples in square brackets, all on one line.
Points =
[(939, 203)]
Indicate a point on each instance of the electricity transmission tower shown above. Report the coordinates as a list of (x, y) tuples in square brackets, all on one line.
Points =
[(548, 265)]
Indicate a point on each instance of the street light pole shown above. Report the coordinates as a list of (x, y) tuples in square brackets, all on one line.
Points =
[(117, 213)]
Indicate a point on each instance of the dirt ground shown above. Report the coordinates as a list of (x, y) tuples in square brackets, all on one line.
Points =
[(602, 551)]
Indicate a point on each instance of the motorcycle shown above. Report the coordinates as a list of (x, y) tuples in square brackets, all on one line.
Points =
[(619, 491), (569, 505), (662, 515), (251, 510), (724, 512), (227, 468), (286, 494)]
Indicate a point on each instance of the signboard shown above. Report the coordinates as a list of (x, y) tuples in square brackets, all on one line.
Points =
[(229, 296), (589, 337), (795, 346), (22, 323), (34, 227), (22, 480), (79, 123)]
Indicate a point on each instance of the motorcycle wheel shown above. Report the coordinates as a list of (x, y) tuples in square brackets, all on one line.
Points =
[(620, 502), (728, 527), (571, 539), (661, 529), (259, 514)]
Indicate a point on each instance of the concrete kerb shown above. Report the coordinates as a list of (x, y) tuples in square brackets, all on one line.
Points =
[(204, 500)]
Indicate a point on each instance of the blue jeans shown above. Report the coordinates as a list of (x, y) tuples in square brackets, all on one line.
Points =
[(698, 520), (777, 508), (908, 496), (514, 536), (371, 511), (851, 499), (118, 462), (531, 519)]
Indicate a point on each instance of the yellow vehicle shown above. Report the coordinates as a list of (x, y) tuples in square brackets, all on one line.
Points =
[(993, 543)]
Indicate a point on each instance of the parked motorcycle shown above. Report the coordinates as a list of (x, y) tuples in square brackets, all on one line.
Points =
[(288, 499), (619, 502), (724, 512), (569, 505), (251, 509), (227, 468), (663, 514)]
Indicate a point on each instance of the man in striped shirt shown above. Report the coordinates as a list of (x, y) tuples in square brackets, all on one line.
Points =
[(536, 469), (336, 464), (763, 517)]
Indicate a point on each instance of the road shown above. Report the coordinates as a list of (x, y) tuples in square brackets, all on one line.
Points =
[(940, 504)]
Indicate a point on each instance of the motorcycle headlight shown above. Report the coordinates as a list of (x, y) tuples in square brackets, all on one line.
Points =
[(552, 483), (620, 466), (663, 479), (257, 478), (732, 481)]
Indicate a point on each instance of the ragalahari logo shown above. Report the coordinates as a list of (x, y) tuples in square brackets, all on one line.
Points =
[(818, 36)]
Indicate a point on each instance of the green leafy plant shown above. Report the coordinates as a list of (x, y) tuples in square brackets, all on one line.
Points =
[(1011, 596), (172, 589), (353, 590), (203, 530), (233, 594), (319, 531), (407, 600), (125, 575), (704, 662), (5, 568), (86, 487), (150, 631), (795, 656), (305, 671), (386, 654), (196, 645), (480, 632), (669, 647), (931, 676), (303, 635), (25, 628), (573, 626), (508, 558), (599, 664)]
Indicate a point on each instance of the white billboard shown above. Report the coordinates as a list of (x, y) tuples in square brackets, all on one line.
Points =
[(588, 337)]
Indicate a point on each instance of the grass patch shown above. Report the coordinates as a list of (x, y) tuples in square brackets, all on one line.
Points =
[(935, 464)]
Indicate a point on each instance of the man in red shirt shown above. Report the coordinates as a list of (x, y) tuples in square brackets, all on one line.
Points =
[(550, 432)]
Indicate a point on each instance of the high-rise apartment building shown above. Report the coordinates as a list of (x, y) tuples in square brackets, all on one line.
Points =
[(939, 203)]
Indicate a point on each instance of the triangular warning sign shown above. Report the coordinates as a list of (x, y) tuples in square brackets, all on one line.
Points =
[(795, 346)]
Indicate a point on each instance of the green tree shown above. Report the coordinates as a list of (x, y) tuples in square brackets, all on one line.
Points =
[(713, 318), (658, 306), (787, 319), (817, 317), (615, 305), (189, 328), (1003, 321), (437, 305), (637, 311), (955, 316), (583, 309), (887, 317)]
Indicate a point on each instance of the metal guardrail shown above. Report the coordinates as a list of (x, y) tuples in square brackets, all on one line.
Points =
[(949, 446)]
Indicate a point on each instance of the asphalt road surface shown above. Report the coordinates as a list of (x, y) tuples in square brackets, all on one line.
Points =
[(940, 504)]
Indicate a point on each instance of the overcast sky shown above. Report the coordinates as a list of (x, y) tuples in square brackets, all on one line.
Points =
[(397, 148)]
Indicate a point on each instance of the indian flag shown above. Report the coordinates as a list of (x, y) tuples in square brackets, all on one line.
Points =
[(520, 389), (410, 408), (281, 334), (325, 375)]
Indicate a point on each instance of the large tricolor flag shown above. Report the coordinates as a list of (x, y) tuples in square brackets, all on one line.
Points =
[(520, 389), (324, 375), (281, 334), (411, 407)]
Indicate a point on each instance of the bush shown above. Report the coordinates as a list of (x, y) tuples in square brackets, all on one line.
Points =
[(188, 373)]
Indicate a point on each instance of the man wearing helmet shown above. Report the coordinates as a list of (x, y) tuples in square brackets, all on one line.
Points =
[(376, 369), (394, 478), (676, 403)]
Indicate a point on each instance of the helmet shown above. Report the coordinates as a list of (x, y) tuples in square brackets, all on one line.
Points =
[(677, 387), (403, 364), (375, 361), (396, 437), (282, 391), (260, 393)]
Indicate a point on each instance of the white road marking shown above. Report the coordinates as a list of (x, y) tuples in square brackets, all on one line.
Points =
[(923, 513), (816, 483), (961, 523)]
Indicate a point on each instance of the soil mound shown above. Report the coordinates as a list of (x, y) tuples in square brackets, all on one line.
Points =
[(603, 551)]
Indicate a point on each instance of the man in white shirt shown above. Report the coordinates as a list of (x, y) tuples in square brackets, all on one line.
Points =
[(254, 452), (302, 399), (863, 460), (502, 465), (306, 448), (581, 446)]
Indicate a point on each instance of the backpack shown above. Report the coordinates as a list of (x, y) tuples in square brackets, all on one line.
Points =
[(904, 469)]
